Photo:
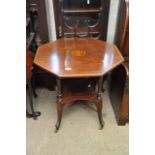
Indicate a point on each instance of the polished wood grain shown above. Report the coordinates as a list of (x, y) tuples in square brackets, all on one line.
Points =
[(78, 57)]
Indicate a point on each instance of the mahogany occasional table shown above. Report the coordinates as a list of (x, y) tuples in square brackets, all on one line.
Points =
[(79, 65)]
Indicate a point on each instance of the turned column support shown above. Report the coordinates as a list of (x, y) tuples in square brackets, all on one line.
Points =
[(99, 88), (59, 89)]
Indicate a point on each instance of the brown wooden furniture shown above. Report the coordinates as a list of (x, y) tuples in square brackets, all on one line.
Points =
[(81, 18), (119, 91), (79, 65), (122, 29), (37, 34), (29, 63)]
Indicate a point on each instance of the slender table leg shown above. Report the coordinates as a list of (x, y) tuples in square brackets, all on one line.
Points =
[(99, 102), (37, 113), (104, 78), (59, 104)]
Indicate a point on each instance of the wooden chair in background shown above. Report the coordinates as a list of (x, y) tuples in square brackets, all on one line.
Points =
[(29, 67)]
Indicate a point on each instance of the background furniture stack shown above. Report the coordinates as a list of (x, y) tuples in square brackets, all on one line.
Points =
[(37, 34), (119, 86), (36, 17)]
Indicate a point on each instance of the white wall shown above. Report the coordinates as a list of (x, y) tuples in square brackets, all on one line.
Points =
[(50, 19), (112, 20), (111, 24)]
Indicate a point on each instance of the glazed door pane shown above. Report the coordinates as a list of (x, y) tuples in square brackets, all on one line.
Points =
[(82, 18)]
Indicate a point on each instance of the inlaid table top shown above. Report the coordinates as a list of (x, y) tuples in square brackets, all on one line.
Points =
[(78, 57)]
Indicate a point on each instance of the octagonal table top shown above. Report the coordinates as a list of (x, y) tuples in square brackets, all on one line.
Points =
[(78, 57)]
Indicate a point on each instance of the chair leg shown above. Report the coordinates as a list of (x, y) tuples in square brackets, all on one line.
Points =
[(37, 113), (33, 84), (99, 112)]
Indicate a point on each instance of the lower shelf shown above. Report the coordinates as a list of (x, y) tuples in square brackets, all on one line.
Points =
[(79, 89)]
